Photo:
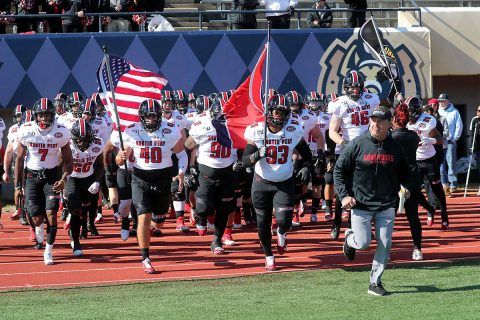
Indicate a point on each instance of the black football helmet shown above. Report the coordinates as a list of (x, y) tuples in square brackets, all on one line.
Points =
[(213, 96), (415, 108), (330, 97), (88, 108), (353, 85), (224, 95), (315, 102), (294, 101), (180, 101), (82, 134), (167, 101), (41, 107), (73, 103), (278, 111), (60, 102), (150, 107), (17, 114), (202, 103), (217, 108)]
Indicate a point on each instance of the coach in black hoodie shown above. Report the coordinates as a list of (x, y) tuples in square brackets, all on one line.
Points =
[(367, 179)]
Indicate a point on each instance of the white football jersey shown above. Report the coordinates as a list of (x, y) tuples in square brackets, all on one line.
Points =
[(12, 136), (83, 160), (43, 145), (425, 123), (354, 115), (67, 120), (100, 128), (323, 122), (278, 165), (191, 117), (107, 119), (152, 150), (308, 120), (210, 152), (115, 140), (179, 119)]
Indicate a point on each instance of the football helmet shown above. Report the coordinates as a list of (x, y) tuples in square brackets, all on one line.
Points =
[(180, 101), (82, 134), (202, 103), (315, 102), (150, 107), (17, 114), (353, 85), (60, 102), (217, 108), (73, 103), (27, 116), (415, 108), (41, 107), (167, 101), (294, 101), (88, 108), (278, 112)]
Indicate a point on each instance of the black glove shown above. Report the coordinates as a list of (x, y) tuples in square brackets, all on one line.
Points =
[(190, 181), (304, 175), (194, 172), (259, 154), (238, 166)]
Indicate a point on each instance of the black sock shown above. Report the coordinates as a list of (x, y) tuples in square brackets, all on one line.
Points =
[(145, 253), (51, 234), (220, 224), (115, 207), (328, 206), (315, 203), (247, 215), (75, 228), (125, 223)]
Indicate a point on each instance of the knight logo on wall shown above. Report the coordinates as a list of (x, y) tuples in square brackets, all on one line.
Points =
[(353, 54)]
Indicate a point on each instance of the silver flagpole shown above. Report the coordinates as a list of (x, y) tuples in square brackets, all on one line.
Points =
[(266, 90)]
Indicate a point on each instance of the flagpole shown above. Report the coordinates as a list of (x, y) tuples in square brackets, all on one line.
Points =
[(110, 81), (266, 90), (383, 51)]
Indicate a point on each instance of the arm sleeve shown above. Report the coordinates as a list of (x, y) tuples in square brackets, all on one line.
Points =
[(342, 172), (249, 150)]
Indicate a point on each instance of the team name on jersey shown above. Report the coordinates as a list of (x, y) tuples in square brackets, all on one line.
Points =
[(359, 108), (43, 145), (153, 143), (86, 159), (277, 142)]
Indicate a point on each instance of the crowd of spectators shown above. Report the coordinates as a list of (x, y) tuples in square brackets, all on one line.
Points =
[(80, 21)]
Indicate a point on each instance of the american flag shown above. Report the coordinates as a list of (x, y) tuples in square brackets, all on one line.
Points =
[(131, 85)]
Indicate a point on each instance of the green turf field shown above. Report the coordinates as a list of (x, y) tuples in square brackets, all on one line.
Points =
[(421, 291)]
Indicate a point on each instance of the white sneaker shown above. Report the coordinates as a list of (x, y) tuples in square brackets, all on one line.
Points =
[(48, 258), (124, 234), (72, 244), (417, 255), (313, 217), (77, 253), (270, 263), (324, 205), (99, 218), (39, 233), (210, 226)]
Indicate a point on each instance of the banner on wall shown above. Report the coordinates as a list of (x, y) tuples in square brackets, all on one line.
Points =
[(203, 62)]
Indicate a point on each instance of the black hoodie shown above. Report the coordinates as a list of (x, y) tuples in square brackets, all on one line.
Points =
[(371, 172)]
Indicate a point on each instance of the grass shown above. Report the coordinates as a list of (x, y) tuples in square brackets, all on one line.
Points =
[(419, 291)]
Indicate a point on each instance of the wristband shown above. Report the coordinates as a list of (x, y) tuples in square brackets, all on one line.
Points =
[(18, 186)]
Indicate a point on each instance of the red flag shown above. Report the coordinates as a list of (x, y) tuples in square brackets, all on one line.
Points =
[(131, 85), (245, 105)]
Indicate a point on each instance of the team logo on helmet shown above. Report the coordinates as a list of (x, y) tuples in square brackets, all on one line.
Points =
[(346, 54)]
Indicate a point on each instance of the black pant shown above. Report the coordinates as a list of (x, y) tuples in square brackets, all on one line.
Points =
[(430, 174), (266, 196), (357, 19), (411, 211)]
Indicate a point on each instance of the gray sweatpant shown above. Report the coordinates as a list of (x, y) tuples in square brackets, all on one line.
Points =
[(362, 237)]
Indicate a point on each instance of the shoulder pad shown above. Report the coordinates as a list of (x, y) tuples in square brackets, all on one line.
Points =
[(171, 124), (98, 121), (294, 122), (97, 141), (27, 124), (61, 126), (63, 114), (131, 126), (311, 113), (253, 125), (203, 114), (294, 115), (14, 129), (335, 100), (197, 123)]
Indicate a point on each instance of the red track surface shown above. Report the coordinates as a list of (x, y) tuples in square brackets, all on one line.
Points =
[(109, 260)]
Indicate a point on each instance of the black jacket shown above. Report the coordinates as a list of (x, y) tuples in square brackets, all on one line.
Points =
[(72, 7), (409, 140), (475, 123), (324, 18), (356, 4), (245, 18), (371, 172)]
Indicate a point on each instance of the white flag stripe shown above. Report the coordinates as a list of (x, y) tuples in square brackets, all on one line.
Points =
[(144, 79), (131, 86)]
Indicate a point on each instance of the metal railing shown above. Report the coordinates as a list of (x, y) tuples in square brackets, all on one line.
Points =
[(201, 14)]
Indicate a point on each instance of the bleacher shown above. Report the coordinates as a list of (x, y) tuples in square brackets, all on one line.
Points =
[(219, 22)]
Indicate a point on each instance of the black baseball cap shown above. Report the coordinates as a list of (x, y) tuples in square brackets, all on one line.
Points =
[(443, 96), (382, 113)]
